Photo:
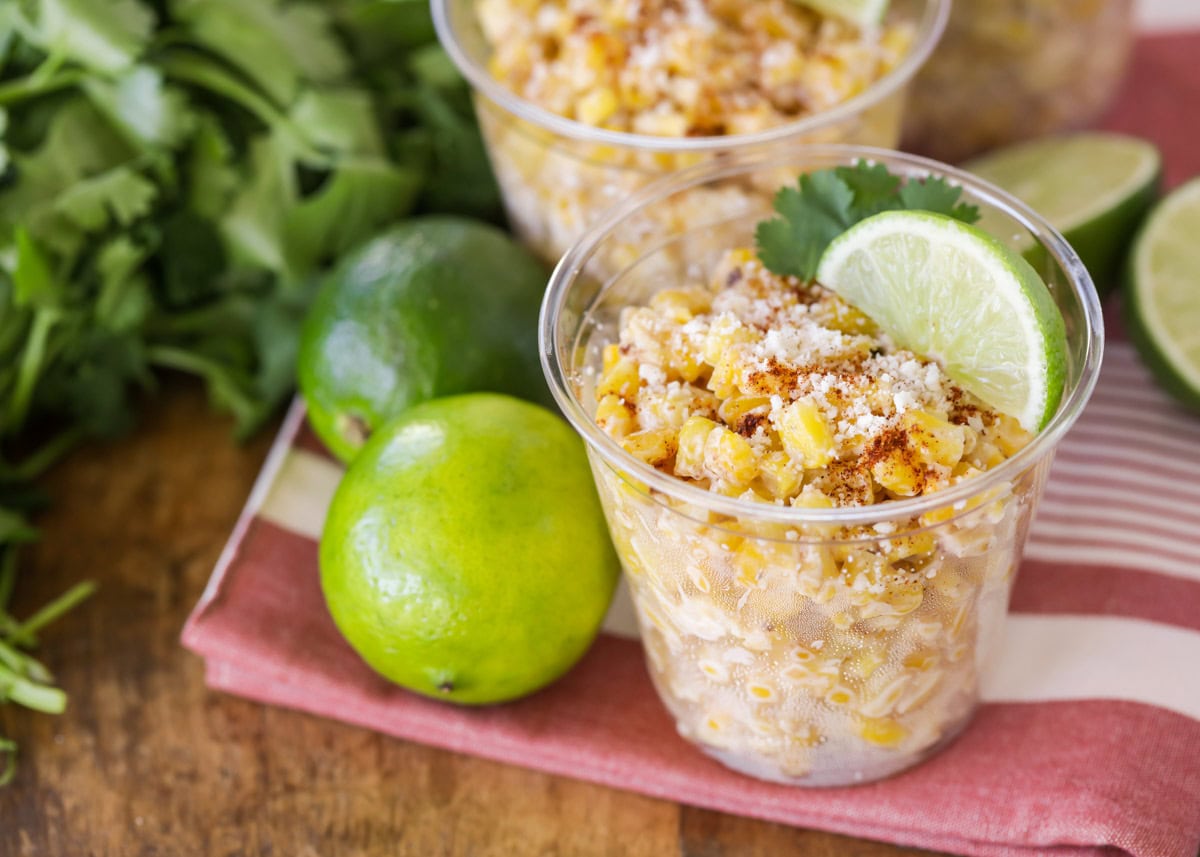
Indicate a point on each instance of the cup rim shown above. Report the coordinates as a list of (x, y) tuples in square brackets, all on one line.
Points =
[(571, 266), (931, 26)]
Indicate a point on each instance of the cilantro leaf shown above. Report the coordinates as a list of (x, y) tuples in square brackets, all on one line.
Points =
[(813, 215), (77, 145), (119, 195), (381, 28), (33, 282), (939, 196), (874, 188), (14, 528), (338, 119), (275, 45), (105, 35), (253, 226), (210, 177), (360, 198), (448, 150), (123, 298), (827, 202), (192, 261), (143, 107)]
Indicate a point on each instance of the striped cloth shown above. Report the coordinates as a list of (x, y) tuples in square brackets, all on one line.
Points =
[(1089, 738)]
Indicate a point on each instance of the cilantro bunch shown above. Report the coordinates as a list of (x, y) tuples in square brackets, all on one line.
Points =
[(174, 174), (825, 203)]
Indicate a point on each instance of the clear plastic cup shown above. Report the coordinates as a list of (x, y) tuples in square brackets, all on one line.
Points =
[(807, 646), (557, 175), (1009, 70)]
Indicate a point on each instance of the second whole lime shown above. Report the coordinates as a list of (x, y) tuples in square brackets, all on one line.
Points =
[(432, 307), (465, 554)]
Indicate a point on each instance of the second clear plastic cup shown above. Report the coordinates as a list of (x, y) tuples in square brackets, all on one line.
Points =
[(807, 646), (558, 175)]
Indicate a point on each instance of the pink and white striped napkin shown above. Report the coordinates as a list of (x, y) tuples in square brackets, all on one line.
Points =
[(1089, 738)]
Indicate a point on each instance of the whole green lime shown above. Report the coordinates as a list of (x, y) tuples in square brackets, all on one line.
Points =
[(465, 554), (432, 307)]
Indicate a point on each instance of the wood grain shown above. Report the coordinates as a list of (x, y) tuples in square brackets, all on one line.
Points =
[(147, 761)]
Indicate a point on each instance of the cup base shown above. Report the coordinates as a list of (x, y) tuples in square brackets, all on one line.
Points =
[(832, 777)]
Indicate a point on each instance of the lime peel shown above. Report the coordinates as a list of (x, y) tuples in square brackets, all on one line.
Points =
[(1163, 305), (1092, 186), (955, 294)]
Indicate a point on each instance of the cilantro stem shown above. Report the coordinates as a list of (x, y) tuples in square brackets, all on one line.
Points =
[(48, 66), (23, 664), (39, 697), (31, 366), (201, 72), (47, 454), (220, 378), (8, 576), (28, 87), (11, 658), (26, 632), (8, 750)]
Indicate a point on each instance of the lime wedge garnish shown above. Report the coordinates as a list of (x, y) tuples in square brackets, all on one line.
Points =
[(1163, 301), (953, 293), (863, 13), (1093, 187)]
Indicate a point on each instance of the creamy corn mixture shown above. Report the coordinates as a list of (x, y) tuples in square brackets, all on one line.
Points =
[(758, 387), (823, 654), (665, 68), (683, 68)]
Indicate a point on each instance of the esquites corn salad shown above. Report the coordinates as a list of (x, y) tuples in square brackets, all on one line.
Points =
[(663, 68), (827, 654)]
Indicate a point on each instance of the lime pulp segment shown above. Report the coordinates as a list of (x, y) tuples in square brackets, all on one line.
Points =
[(1164, 295), (953, 293)]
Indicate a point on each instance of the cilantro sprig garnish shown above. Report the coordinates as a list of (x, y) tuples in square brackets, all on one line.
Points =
[(826, 203)]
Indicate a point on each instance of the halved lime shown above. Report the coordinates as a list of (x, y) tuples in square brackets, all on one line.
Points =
[(1093, 187), (953, 293), (1163, 302), (863, 13)]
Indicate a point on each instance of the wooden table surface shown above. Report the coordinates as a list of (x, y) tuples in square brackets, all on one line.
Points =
[(147, 761)]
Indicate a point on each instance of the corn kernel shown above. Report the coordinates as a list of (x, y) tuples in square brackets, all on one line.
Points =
[(725, 375), (689, 457), (761, 689), (898, 473), (922, 660), (613, 416), (757, 560), (863, 663), (910, 544), (806, 435), (839, 694), (935, 440), (882, 731), (1009, 435), (597, 106), (724, 333), (621, 380), (778, 476), (681, 304), (655, 446), (730, 457)]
